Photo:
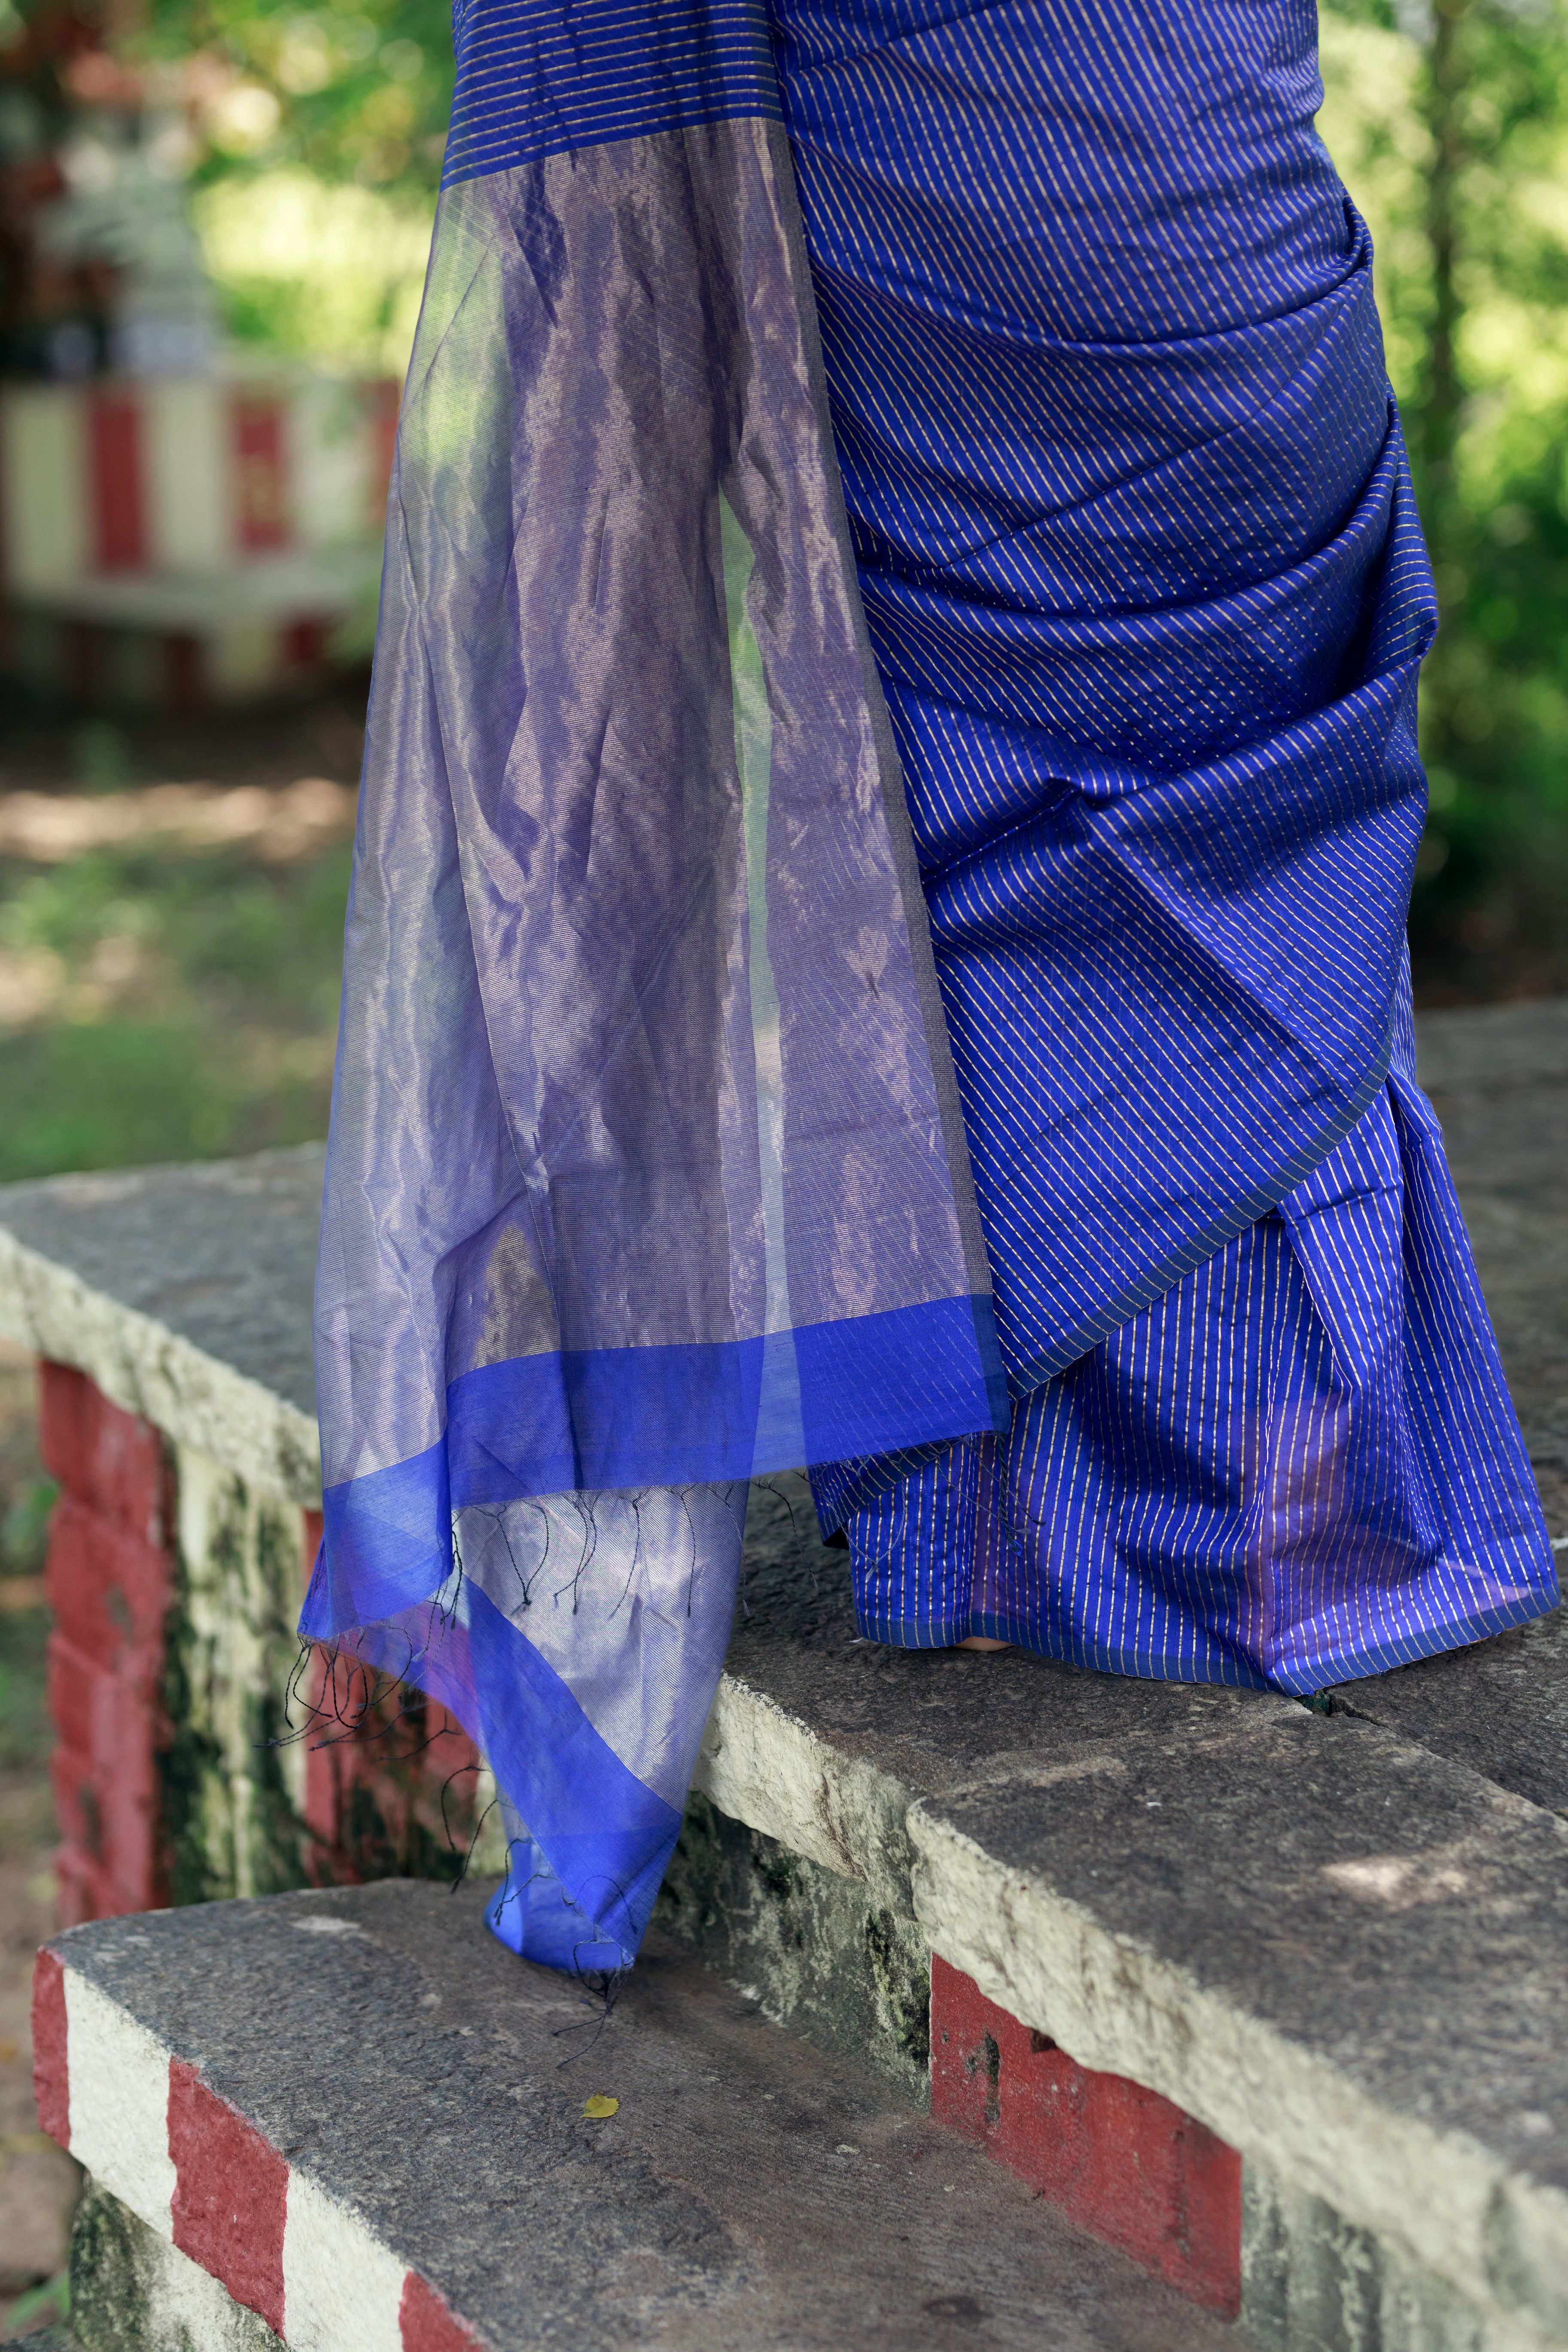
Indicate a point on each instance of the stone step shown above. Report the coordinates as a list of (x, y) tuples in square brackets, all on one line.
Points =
[(1268, 1997), (1340, 1949), (351, 2122)]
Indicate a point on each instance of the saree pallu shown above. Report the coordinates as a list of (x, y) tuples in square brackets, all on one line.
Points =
[(899, 972)]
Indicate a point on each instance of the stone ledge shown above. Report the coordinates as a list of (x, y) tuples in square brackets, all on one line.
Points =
[(184, 1294), (1349, 1962), (350, 2110), (1344, 1953), (1502, 1708)]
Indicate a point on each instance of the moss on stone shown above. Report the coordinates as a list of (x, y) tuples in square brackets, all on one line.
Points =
[(806, 1943), (134, 2292), (232, 1772), (899, 1965)]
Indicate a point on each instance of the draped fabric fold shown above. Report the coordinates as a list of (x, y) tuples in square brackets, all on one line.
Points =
[(902, 974), (647, 1168), (1146, 589)]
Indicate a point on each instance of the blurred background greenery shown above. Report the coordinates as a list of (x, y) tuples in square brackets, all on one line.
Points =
[(1449, 120), (166, 994)]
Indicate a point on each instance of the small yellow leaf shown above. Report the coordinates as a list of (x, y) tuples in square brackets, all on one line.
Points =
[(599, 2106)]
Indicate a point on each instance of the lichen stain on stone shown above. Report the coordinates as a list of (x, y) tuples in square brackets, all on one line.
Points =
[(108, 2297), (775, 1866), (133, 2292), (986, 2058), (233, 1776), (239, 1733), (801, 1937), (900, 1971)]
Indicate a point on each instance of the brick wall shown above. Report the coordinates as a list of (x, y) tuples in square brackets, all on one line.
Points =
[(1116, 2157), (109, 1583), (198, 1755)]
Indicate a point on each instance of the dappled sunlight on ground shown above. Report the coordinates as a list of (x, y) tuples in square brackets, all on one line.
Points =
[(172, 901)]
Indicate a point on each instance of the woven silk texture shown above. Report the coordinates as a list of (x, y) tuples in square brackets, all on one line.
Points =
[(877, 937)]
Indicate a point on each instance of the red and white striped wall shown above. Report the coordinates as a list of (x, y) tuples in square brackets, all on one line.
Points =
[(151, 2131), (187, 540), (185, 476)]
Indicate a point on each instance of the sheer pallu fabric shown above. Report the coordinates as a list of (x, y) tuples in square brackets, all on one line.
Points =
[(696, 1114)]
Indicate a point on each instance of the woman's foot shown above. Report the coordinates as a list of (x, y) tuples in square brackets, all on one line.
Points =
[(981, 1641)]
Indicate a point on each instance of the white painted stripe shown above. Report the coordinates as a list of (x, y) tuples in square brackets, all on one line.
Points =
[(342, 2291), (43, 485), (328, 454), (187, 2307), (187, 459), (120, 2102)]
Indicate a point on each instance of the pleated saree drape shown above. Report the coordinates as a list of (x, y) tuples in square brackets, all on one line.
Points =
[(877, 932)]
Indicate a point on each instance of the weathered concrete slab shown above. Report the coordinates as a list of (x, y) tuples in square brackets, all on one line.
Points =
[(1490, 1045), (1498, 1080), (1346, 1954), (426, 2091), (186, 1294), (1501, 1708)]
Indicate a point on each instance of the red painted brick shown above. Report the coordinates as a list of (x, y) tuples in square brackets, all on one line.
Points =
[(125, 1722), (231, 2194), (108, 1863), (87, 1892), (65, 1423), (109, 1580), (138, 1723), (79, 1690), (51, 2059), (100, 1454), (130, 1854), (1118, 2160), (109, 1588), (105, 1770), (74, 1902), (429, 2324), (116, 471), (75, 1583), (78, 1809)]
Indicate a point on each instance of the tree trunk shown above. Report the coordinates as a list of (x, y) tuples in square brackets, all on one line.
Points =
[(1442, 98)]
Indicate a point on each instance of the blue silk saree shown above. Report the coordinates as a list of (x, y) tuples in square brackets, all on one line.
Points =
[(877, 937)]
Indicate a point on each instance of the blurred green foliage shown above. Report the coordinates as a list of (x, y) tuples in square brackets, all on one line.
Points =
[(319, 138), (25, 1526), (191, 1005), (1449, 120), (359, 92)]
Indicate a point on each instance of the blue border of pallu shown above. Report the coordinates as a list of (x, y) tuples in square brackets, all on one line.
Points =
[(538, 78), (633, 1417), (607, 1836)]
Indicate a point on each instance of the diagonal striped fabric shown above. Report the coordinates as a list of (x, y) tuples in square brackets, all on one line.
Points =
[(1147, 591), (539, 77)]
